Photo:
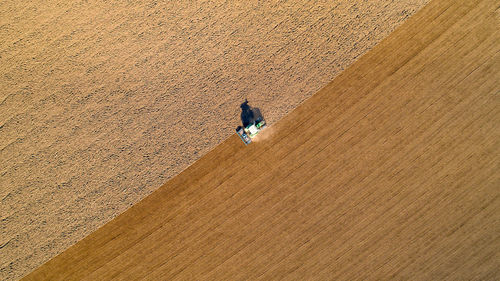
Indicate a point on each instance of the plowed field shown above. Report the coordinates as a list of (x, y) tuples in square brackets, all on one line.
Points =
[(102, 102), (389, 172)]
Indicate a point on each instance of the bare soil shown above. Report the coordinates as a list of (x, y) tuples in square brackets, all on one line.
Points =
[(390, 172), (102, 103)]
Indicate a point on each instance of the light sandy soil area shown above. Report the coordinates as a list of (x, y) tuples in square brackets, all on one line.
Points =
[(390, 172), (101, 103)]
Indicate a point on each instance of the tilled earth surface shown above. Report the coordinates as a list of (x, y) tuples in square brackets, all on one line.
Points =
[(391, 172), (101, 103)]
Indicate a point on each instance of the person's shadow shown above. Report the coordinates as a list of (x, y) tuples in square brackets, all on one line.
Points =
[(249, 115)]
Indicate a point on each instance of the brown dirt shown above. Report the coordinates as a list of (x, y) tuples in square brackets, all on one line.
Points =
[(389, 172), (101, 103)]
